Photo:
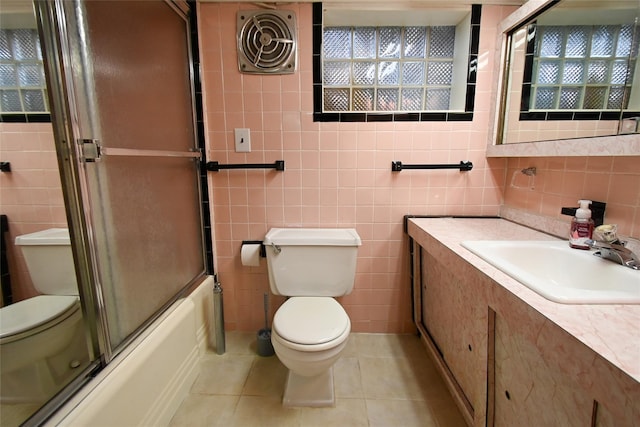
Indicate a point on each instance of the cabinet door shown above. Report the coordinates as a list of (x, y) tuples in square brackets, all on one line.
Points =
[(630, 417), (531, 388), (455, 315)]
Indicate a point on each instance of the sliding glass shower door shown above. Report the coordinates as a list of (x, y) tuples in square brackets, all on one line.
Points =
[(126, 77)]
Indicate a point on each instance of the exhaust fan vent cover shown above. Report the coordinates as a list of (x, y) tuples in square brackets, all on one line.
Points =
[(267, 41)]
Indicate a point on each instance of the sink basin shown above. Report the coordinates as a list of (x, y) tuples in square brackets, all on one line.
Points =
[(560, 273)]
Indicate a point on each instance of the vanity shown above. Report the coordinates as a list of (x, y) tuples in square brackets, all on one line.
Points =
[(508, 355)]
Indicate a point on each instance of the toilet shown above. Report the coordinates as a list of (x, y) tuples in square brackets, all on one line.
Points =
[(42, 340), (310, 330)]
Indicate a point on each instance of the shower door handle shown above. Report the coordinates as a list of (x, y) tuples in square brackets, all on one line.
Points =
[(92, 151)]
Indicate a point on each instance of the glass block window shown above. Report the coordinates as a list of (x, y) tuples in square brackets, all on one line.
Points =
[(387, 69), (582, 67), (22, 81)]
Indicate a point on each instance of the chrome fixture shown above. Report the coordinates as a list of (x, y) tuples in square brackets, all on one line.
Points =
[(218, 317), (616, 253)]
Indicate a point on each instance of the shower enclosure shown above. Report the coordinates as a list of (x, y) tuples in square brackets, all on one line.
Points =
[(121, 88)]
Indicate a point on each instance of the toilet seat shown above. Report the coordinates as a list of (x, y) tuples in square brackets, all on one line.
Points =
[(311, 321), (32, 315)]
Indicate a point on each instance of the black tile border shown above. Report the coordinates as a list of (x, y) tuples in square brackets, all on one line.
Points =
[(433, 117), (379, 117), (467, 115), (352, 117), (25, 118), (617, 115), (527, 116), (630, 114), (200, 133), (559, 115), (459, 117), (587, 115), (406, 117)]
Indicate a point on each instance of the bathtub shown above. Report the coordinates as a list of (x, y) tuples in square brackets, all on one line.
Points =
[(146, 383)]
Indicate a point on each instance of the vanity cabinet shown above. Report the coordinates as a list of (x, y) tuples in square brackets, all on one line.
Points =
[(543, 376), (531, 388), (505, 362), (457, 323)]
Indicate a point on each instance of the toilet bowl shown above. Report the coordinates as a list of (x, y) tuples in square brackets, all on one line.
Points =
[(42, 341), (41, 345), (309, 335), (310, 329)]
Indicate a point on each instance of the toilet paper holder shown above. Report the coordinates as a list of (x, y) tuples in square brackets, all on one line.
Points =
[(263, 252)]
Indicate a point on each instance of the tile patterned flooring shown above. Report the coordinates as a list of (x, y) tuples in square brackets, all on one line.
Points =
[(381, 380)]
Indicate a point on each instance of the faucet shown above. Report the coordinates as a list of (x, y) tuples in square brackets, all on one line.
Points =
[(615, 252)]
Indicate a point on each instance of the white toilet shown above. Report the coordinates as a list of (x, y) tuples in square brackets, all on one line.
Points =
[(310, 330), (42, 339)]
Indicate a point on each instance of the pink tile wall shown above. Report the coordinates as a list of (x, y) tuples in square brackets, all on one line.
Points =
[(30, 195), (562, 181), (337, 174)]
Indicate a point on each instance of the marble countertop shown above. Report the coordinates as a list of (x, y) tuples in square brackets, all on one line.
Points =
[(612, 331)]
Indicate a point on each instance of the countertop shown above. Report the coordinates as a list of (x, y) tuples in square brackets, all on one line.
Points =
[(612, 331)]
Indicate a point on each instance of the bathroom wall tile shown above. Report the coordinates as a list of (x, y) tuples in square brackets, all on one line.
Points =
[(576, 164), (596, 186), (572, 182), (629, 165), (562, 181), (31, 194)]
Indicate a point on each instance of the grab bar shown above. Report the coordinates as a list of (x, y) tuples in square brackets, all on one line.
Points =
[(215, 166), (462, 166)]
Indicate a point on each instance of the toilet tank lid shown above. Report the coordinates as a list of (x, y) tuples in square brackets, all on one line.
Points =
[(51, 236), (313, 236)]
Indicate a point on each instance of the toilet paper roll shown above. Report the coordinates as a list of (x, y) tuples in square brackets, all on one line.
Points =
[(250, 255)]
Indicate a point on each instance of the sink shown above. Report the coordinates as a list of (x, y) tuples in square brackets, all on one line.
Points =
[(560, 273)]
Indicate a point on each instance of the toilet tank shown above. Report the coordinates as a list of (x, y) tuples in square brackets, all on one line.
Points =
[(312, 261), (49, 261)]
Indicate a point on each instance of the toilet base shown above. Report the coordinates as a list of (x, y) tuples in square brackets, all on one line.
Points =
[(316, 391)]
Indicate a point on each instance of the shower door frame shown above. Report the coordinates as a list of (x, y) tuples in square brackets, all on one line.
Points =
[(72, 159)]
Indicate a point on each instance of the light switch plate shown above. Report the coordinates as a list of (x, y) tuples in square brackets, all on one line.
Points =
[(243, 140)]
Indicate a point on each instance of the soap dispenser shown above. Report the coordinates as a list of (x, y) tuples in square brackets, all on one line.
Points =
[(581, 226)]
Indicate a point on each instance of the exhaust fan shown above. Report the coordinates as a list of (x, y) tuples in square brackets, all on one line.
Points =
[(267, 41)]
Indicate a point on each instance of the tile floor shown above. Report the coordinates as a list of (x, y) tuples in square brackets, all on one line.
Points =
[(381, 380)]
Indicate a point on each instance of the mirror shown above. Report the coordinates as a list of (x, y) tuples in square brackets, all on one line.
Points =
[(42, 335), (566, 86)]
